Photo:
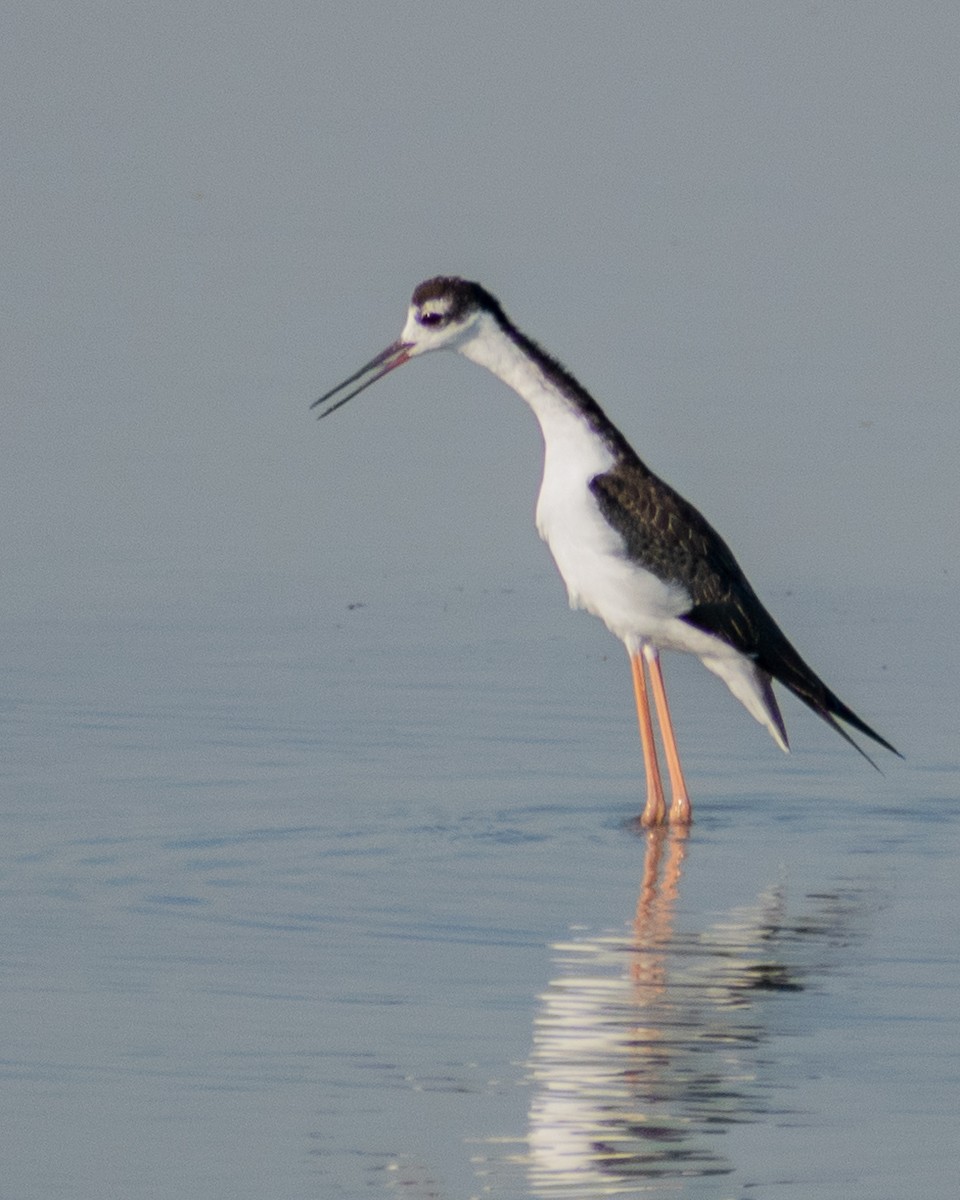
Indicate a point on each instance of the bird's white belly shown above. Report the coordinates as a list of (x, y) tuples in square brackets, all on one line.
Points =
[(637, 606), (632, 602)]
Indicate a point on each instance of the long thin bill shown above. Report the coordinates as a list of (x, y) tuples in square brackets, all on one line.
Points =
[(386, 361)]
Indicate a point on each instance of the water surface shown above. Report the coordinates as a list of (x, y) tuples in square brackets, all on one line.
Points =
[(312, 897)]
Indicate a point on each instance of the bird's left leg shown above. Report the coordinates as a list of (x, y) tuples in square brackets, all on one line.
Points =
[(681, 811)]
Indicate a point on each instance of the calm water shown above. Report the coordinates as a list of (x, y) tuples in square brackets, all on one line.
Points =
[(307, 898)]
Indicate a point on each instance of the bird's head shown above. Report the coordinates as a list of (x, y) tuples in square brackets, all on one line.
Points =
[(444, 313)]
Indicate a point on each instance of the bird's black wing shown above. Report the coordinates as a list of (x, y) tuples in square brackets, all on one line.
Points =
[(665, 534)]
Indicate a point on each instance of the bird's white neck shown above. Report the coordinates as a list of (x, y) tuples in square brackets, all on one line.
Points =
[(575, 450), (493, 348)]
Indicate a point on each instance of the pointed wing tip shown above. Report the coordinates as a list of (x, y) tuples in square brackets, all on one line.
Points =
[(832, 721)]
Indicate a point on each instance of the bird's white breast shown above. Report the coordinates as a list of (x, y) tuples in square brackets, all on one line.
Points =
[(590, 555)]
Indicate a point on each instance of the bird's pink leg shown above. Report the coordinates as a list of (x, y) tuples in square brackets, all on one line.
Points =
[(655, 810), (681, 811)]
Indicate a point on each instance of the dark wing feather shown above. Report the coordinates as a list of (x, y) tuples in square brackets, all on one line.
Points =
[(665, 534)]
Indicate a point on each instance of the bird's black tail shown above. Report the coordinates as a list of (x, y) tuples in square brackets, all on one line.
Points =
[(786, 666)]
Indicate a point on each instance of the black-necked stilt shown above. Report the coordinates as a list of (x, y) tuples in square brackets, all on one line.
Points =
[(629, 548)]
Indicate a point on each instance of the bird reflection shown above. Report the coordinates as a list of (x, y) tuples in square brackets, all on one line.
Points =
[(653, 922), (647, 1046)]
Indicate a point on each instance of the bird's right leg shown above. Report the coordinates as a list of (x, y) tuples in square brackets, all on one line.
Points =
[(681, 812), (655, 810)]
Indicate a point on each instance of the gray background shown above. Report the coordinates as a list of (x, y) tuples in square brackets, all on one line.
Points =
[(735, 223)]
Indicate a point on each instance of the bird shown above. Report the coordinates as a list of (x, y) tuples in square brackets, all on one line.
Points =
[(630, 549)]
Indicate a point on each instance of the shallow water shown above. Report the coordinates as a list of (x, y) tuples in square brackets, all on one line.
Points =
[(307, 898)]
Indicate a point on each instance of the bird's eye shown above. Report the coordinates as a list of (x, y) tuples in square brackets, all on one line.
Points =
[(431, 318)]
